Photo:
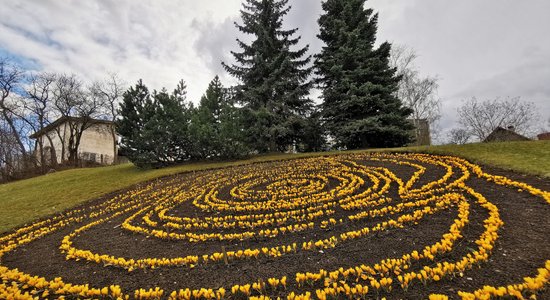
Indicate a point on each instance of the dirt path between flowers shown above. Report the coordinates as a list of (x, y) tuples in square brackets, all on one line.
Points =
[(522, 246)]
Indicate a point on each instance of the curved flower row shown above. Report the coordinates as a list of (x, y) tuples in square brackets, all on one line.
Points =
[(290, 198)]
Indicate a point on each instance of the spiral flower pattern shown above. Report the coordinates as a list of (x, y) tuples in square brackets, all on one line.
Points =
[(276, 213)]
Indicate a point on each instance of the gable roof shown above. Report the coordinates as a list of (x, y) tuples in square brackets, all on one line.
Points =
[(502, 134), (62, 120)]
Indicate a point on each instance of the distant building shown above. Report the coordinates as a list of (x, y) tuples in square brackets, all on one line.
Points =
[(505, 135), (544, 136), (96, 144), (421, 132)]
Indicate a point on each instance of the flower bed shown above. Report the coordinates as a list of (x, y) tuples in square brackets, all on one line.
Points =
[(347, 226)]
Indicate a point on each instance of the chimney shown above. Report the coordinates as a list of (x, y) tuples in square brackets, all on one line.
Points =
[(512, 128)]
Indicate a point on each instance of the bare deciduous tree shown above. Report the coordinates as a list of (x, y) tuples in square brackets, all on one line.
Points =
[(480, 118), (402, 58), (39, 113), (29, 103), (10, 78), (459, 136), (67, 91), (10, 154), (110, 90), (417, 92), (79, 108)]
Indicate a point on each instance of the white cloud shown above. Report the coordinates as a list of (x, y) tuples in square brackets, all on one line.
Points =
[(478, 48), (152, 40), (494, 47)]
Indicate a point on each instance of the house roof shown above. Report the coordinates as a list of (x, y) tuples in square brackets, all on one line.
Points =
[(505, 134), (62, 120)]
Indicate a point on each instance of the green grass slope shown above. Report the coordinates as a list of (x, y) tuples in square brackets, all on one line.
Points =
[(531, 157), (26, 200)]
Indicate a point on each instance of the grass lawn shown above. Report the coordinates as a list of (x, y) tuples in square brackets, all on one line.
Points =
[(531, 157), (26, 200)]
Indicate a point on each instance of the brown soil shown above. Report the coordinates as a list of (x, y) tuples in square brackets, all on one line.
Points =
[(522, 246)]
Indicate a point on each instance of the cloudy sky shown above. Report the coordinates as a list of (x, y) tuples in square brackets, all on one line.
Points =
[(476, 48)]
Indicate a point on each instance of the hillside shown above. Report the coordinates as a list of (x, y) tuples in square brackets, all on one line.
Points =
[(26, 200)]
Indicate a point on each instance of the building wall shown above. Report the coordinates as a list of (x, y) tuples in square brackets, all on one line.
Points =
[(96, 144), (56, 140)]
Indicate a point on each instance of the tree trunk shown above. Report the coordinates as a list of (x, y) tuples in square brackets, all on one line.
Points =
[(17, 138), (53, 154), (416, 123), (273, 146), (40, 144), (115, 152), (62, 141), (76, 137), (71, 148)]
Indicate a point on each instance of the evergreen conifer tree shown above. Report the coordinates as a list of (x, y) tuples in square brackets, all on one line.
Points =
[(274, 78), (314, 136), (215, 126), (168, 129), (360, 107), (154, 127), (135, 111)]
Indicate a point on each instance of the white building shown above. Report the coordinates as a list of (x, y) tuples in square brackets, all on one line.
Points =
[(96, 144)]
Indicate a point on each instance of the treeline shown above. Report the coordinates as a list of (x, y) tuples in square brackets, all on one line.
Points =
[(160, 128), (362, 91), (269, 110)]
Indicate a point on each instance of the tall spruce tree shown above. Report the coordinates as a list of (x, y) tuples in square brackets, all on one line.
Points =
[(360, 107), (274, 79)]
